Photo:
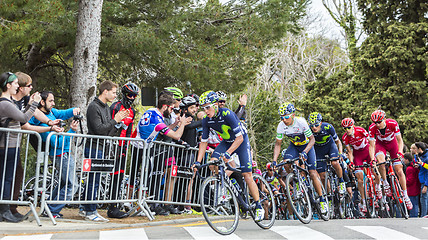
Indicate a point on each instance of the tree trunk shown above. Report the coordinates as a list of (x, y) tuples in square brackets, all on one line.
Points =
[(85, 62)]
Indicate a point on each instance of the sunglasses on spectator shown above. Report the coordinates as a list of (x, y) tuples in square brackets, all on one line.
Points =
[(132, 95), (346, 128), (207, 107), (378, 122), (314, 125), (222, 101), (29, 85), (285, 117)]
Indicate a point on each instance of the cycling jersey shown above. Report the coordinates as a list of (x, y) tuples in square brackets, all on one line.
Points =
[(228, 126), (359, 140), (150, 125), (225, 123), (391, 130), (298, 133), (272, 180), (128, 121), (326, 135)]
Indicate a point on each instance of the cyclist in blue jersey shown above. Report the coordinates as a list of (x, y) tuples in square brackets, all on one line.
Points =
[(326, 143), (235, 140), (301, 142)]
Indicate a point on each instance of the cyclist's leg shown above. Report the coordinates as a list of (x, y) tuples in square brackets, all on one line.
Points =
[(311, 162), (380, 154), (334, 153), (321, 166), (359, 157), (392, 148)]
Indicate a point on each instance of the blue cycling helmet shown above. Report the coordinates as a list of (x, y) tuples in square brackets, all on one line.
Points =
[(208, 97), (314, 118), (286, 108)]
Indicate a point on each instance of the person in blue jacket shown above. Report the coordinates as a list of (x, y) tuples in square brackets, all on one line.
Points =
[(59, 148), (421, 157)]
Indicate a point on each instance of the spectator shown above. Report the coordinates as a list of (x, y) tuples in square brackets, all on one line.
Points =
[(421, 156), (21, 99), (413, 184), (11, 117), (129, 92), (150, 125), (242, 101), (100, 122), (59, 148)]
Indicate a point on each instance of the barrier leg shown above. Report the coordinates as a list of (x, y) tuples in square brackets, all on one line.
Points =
[(36, 216)]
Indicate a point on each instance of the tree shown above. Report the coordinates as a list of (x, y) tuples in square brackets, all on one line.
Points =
[(85, 64)]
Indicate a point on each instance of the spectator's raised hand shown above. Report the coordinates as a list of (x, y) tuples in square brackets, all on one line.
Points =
[(186, 120), (36, 97), (74, 125), (243, 100), (121, 115), (76, 111), (57, 128)]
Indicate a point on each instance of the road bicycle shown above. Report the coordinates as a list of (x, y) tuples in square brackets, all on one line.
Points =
[(303, 198), (396, 201), (222, 199), (337, 204)]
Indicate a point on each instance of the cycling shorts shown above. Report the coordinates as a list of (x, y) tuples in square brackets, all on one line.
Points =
[(293, 152), (361, 156), (243, 152), (391, 147), (329, 149)]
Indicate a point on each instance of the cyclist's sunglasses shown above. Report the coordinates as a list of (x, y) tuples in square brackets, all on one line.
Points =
[(222, 101), (378, 122), (346, 128), (207, 107), (314, 125), (285, 117), (132, 95)]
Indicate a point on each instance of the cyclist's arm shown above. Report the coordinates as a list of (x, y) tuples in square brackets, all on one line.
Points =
[(400, 143), (201, 152), (339, 145), (310, 144), (238, 140), (372, 148), (277, 149)]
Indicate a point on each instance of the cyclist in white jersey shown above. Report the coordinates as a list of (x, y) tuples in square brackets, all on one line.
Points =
[(302, 141)]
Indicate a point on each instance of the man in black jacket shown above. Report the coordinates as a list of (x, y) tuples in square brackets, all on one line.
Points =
[(100, 122)]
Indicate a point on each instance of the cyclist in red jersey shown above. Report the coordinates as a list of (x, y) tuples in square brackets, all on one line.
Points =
[(385, 136), (356, 142)]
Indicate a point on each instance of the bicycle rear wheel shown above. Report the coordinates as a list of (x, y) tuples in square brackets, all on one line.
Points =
[(369, 197), (219, 205), (267, 201), (298, 198), (398, 198)]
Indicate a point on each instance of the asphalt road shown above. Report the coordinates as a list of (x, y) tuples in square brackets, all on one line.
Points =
[(387, 229)]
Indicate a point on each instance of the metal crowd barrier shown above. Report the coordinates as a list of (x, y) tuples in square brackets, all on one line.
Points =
[(92, 170), (171, 179), (16, 170)]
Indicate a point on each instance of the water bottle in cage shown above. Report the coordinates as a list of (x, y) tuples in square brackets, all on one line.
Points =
[(235, 183)]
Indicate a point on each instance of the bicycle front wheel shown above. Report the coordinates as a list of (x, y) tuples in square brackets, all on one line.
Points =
[(398, 198), (298, 198), (267, 201), (219, 205)]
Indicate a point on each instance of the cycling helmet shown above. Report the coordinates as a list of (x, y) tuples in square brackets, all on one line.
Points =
[(269, 166), (208, 97), (348, 122), (314, 118), (286, 108), (221, 95), (178, 94), (378, 116), (129, 89), (254, 164), (195, 96), (187, 102)]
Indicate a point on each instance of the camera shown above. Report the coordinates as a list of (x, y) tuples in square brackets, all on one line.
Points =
[(77, 117), (62, 124)]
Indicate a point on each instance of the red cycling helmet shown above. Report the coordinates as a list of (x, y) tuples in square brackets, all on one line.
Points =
[(348, 122), (378, 116), (269, 166)]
